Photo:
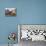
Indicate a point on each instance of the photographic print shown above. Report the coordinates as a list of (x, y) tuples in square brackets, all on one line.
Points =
[(10, 11)]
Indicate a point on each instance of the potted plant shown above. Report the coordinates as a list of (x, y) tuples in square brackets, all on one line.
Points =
[(11, 37)]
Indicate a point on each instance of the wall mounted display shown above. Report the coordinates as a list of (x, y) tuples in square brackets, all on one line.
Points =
[(10, 11)]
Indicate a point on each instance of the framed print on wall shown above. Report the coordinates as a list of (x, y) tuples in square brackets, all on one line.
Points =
[(10, 11)]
